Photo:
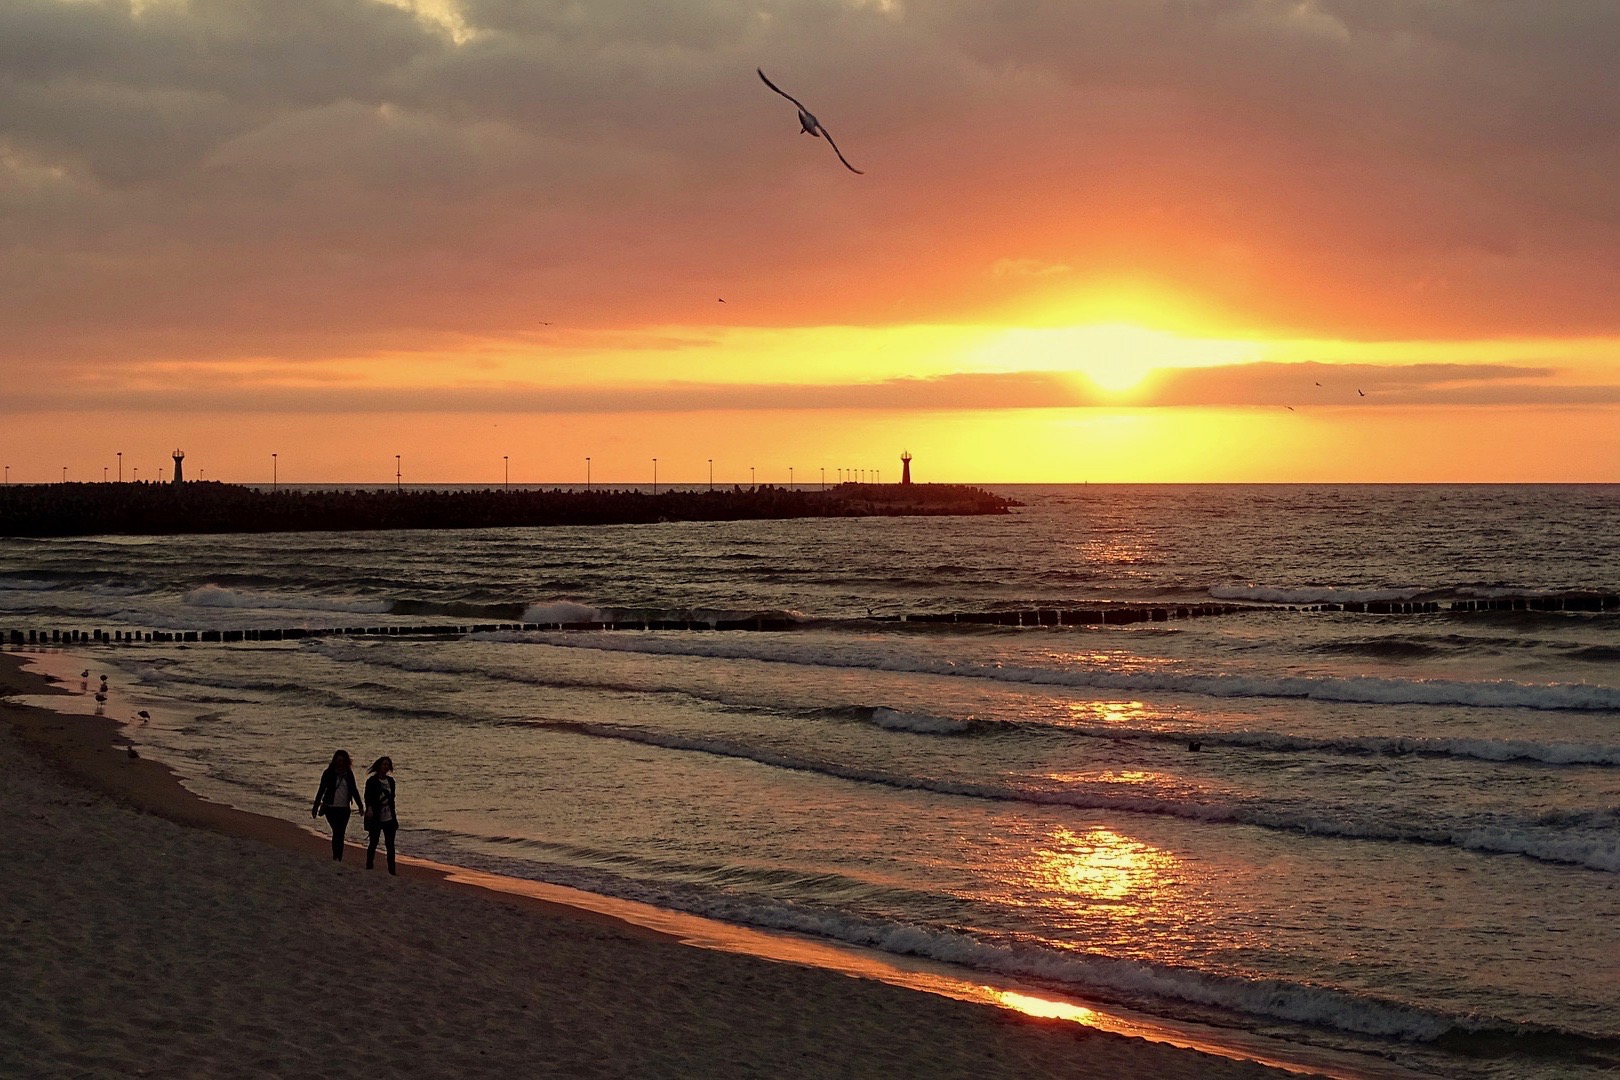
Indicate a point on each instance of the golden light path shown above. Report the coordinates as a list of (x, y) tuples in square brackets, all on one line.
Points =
[(929, 977)]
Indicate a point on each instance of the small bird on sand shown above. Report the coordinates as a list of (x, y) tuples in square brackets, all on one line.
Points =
[(808, 124), (85, 674), (144, 715), (101, 697)]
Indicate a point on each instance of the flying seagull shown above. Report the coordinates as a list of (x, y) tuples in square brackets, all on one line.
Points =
[(808, 124), (1362, 393)]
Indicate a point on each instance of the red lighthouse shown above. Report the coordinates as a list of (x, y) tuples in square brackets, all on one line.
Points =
[(905, 467)]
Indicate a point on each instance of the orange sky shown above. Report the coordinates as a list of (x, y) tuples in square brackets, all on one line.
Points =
[(1096, 239)]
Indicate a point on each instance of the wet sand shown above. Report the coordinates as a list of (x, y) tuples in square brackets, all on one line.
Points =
[(147, 932)]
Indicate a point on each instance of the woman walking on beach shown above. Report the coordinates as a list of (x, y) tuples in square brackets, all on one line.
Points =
[(380, 819), (338, 789)]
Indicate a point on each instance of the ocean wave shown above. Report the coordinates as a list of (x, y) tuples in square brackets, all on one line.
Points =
[(563, 610), (1136, 983), (1598, 850), (216, 596), (1312, 594), (1360, 689), (29, 585), (893, 719), (1477, 749)]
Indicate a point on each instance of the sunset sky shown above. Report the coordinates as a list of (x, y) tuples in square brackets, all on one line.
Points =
[(1104, 240)]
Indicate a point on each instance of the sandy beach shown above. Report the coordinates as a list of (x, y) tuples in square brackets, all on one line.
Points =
[(149, 933)]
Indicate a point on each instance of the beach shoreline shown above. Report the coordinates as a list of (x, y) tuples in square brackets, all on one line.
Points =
[(90, 755)]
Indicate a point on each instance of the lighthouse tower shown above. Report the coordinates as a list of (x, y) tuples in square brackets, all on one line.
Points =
[(905, 467), (179, 456)]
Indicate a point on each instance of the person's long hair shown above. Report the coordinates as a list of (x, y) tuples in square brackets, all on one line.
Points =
[(340, 761), (380, 762)]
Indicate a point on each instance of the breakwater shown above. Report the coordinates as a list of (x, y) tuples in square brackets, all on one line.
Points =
[(110, 509), (1112, 614)]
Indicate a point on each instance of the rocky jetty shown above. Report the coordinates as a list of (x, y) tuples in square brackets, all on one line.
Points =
[(209, 507)]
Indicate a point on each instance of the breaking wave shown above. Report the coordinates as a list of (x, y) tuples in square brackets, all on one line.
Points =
[(1546, 839), (1366, 689)]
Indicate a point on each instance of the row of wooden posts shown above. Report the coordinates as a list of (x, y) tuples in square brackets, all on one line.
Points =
[(1109, 615)]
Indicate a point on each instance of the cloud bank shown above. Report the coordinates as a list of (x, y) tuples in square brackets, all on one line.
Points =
[(310, 178)]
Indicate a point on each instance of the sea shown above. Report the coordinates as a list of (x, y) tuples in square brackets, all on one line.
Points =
[(1390, 836)]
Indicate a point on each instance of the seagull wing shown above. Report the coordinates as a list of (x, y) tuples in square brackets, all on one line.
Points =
[(779, 90), (837, 151)]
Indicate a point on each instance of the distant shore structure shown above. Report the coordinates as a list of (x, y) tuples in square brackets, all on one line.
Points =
[(179, 456), (905, 466)]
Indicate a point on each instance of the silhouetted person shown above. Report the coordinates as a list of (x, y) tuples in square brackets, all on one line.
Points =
[(380, 819), (337, 791)]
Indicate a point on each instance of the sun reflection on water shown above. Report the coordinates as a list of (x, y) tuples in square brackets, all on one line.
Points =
[(1100, 865), (1035, 1006)]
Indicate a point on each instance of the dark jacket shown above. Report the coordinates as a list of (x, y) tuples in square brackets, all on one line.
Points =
[(329, 787), (380, 794)]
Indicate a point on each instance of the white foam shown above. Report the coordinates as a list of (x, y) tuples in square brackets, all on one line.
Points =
[(922, 723), (561, 611), (217, 596)]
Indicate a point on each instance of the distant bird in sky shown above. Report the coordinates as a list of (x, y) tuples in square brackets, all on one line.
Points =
[(722, 299), (1290, 408), (1361, 393), (1318, 384), (808, 124)]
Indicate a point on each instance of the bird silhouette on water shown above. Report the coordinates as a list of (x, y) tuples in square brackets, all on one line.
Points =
[(808, 124)]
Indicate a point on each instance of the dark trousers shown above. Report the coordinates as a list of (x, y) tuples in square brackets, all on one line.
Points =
[(340, 825), (386, 830)]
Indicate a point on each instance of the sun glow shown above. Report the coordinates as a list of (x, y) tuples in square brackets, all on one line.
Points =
[(1114, 357)]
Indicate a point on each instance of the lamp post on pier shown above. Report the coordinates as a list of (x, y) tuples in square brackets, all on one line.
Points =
[(824, 478), (275, 474), (790, 478), (506, 463), (711, 474), (120, 466), (751, 476), (587, 474), (655, 476), (399, 485)]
